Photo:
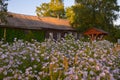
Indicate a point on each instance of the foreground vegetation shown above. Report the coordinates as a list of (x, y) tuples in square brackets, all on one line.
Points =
[(67, 59)]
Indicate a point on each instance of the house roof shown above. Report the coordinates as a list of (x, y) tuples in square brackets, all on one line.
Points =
[(95, 31), (35, 22)]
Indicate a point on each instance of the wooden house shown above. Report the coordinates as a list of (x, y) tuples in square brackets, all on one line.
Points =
[(95, 33), (55, 27)]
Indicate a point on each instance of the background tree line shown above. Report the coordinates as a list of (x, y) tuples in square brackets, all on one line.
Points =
[(85, 14)]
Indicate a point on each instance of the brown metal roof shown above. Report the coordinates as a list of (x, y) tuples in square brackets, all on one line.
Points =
[(34, 22), (95, 31)]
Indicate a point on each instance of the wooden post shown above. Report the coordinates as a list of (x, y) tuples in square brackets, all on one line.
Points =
[(58, 36), (92, 37), (101, 37), (96, 36), (51, 35), (4, 34), (75, 34)]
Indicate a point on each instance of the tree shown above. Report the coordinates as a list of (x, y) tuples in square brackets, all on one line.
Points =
[(3, 14), (3, 11), (55, 8), (70, 14), (43, 10), (95, 13), (80, 19)]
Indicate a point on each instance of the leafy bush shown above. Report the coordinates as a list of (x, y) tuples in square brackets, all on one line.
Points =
[(22, 34)]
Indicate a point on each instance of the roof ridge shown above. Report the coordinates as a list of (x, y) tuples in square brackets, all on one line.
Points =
[(20, 14), (12, 13)]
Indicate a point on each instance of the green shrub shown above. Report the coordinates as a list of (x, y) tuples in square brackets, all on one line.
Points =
[(22, 34), (1, 33)]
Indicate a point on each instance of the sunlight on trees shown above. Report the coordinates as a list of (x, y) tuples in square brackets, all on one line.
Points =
[(54, 9)]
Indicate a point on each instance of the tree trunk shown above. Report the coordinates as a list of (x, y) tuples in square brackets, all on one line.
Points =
[(58, 16)]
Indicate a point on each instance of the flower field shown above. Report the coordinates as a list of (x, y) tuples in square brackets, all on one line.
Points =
[(67, 59)]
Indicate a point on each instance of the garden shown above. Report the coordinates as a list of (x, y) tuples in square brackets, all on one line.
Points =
[(66, 59)]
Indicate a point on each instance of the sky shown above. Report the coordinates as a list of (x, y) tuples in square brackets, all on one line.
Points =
[(29, 6)]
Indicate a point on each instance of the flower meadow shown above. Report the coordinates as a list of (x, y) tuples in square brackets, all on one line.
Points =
[(65, 59)]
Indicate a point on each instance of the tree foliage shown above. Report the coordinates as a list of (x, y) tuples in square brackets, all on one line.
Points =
[(70, 14), (55, 8), (43, 10), (94, 13), (3, 11)]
